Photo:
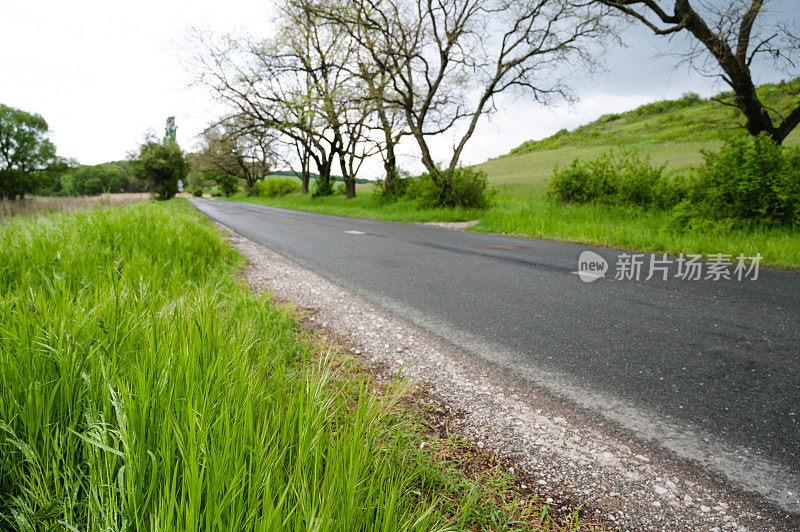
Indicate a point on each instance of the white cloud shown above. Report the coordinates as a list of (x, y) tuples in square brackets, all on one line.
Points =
[(104, 73)]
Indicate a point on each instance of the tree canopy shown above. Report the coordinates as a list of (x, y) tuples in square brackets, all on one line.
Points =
[(344, 81), (161, 163), (24, 149)]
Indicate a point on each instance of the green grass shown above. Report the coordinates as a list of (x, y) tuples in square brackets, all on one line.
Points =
[(143, 387), (364, 206), (687, 119), (632, 228)]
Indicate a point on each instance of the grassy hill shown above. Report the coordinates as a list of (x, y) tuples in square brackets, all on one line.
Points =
[(670, 132), (687, 119)]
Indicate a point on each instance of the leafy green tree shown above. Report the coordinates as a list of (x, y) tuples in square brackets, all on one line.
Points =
[(93, 180), (161, 164), (24, 149), (226, 183), (49, 180)]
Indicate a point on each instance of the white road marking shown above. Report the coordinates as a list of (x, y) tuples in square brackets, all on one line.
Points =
[(355, 232)]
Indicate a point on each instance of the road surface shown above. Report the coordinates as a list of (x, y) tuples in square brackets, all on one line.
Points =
[(707, 369)]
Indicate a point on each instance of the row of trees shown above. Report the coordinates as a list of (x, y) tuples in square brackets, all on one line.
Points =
[(28, 163), (343, 81)]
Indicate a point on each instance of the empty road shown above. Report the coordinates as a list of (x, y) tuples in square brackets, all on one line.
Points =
[(707, 369)]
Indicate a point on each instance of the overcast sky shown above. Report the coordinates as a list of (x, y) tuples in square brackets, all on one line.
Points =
[(103, 73)]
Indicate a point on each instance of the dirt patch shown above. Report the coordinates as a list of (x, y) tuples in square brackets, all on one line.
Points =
[(456, 226)]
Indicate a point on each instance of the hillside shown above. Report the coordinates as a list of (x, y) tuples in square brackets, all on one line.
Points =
[(688, 119), (671, 132)]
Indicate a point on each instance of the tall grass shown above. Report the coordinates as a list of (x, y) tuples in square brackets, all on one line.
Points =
[(45, 204), (142, 387), (639, 229)]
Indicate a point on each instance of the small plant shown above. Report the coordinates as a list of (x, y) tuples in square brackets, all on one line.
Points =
[(399, 186), (274, 187), (198, 192)]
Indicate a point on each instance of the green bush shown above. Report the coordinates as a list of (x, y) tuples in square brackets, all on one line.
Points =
[(401, 182), (274, 187), (468, 188), (688, 99), (198, 192), (226, 184), (751, 179), (322, 188), (94, 180), (617, 177)]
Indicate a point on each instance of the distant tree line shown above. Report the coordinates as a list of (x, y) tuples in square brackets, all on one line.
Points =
[(29, 164)]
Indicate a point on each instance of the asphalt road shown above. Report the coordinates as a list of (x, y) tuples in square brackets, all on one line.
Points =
[(709, 369)]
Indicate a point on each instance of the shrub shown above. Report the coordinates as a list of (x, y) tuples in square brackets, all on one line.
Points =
[(468, 188), (688, 99), (401, 182), (198, 192), (274, 187), (668, 193), (322, 188), (609, 118), (617, 178), (226, 184), (751, 179)]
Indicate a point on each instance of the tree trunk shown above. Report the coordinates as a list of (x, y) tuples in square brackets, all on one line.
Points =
[(446, 186), (350, 187), (324, 185), (738, 75), (390, 165)]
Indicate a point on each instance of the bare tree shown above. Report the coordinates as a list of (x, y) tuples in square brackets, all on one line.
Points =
[(237, 149), (267, 83), (727, 35), (371, 68), (447, 61)]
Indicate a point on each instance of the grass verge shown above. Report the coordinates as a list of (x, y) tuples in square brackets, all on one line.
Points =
[(144, 387), (637, 229), (45, 204), (671, 133), (365, 206)]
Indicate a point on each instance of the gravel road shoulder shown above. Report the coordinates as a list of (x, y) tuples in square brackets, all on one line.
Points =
[(568, 456)]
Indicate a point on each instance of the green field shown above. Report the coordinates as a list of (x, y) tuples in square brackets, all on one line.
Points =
[(143, 387), (671, 133)]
